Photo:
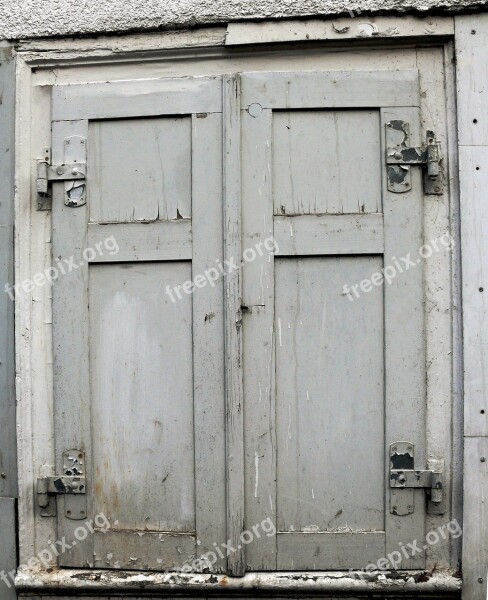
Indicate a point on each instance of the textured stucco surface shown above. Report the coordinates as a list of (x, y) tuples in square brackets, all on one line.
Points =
[(38, 18)]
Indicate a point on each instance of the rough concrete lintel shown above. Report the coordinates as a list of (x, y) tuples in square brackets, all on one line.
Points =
[(32, 19)]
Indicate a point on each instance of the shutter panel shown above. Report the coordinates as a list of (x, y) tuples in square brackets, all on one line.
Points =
[(139, 372), (330, 380)]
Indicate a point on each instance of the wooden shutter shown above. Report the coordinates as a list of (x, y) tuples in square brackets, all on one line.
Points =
[(138, 378), (329, 380)]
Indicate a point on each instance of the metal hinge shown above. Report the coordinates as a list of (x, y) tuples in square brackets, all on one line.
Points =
[(400, 157), (72, 484), (72, 171), (404, 478)]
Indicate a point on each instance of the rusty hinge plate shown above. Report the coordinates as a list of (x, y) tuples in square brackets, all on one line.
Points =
[(400, 157), (404, 478), (72, 171)]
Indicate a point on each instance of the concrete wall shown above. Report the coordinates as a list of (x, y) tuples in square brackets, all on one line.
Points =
[(37, 18)]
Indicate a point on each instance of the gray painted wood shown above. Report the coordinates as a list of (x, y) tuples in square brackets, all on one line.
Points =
[(294, 30), (70, 334), (473, 139), (472, 86), (303, 551), (141, 405), (160, 240), (475, 522), (8, 445), (326, 162), (330, 398), (143, 550), (471, 48), (233, 324), (145, 397), (405, 387), (179, 96), (140, 170), (457, 316), (258, 337), (329, 234), (473, 175), (208, 335), (315, 420), (337, 89)]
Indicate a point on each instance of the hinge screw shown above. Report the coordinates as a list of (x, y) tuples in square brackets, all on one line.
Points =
[(483, 459), (480, 579), (3, 476)]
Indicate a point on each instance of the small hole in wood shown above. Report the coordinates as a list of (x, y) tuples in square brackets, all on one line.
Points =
[(475, 121), (477, 168), (482, 411), (473, 31)]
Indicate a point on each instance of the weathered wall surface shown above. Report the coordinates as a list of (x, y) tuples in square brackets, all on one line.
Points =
[(38, 18)]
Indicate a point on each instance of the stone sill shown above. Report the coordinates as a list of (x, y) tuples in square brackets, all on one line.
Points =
[(417, 583)]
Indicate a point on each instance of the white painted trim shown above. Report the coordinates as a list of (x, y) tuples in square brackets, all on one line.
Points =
[(356, 27), (33, 318), (23, 310)]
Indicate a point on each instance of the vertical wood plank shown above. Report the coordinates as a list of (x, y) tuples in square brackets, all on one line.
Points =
[(405, 387), (70, 335), (258, 337), (233, 324), (473, 172), (8, 444), (475, 522), (471, 42), (474, 235), (455, 544), (208, 335)]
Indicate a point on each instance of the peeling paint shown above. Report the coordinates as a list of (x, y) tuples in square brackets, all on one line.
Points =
[(404, 581)]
